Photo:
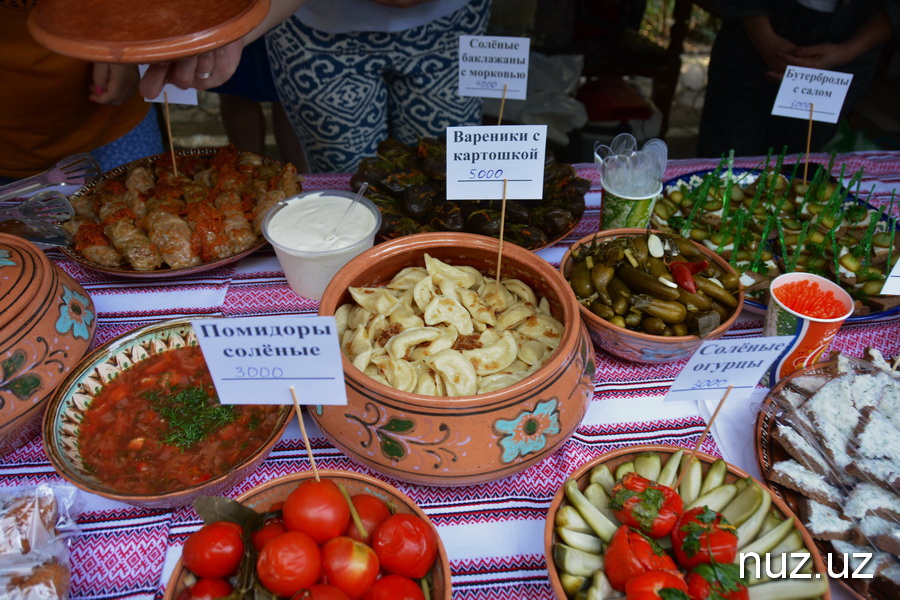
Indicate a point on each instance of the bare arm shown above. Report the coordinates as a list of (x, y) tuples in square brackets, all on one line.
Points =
[(770, 46), (872, 34)]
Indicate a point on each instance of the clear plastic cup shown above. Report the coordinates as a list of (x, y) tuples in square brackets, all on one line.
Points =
[(618, 211), (297, 228)]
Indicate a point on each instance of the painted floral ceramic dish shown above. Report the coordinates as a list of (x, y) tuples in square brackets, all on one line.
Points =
[(625, 459), (466, 439), (138, 421), (141, 220), (47, 324), (264, 496)]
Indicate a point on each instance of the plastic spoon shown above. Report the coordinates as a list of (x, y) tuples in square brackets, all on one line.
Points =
[(362, 190)]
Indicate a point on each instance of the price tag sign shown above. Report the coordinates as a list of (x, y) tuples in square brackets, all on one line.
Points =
[(801, 88), (256, 360), (718, 364), (487, 63), (480, 158), (892, 284), (172, 93)]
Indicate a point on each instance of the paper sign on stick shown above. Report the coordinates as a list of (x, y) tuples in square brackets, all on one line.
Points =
[(892, 285), (487, 63), (802, 87), (480, 158), (718, 364), (256, 360), (174, 94)]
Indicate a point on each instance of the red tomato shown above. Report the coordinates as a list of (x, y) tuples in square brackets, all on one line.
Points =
[(318, 509), (288, 563), (638, 502), (406, 545), (209, 589), (273, 528), (349, 565), (631, 553), (372, 512), (214, 551), (718, 581), (656, 585), (323, 591), (701, 536), (395, 587)]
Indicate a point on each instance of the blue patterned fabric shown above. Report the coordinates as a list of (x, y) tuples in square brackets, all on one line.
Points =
[(142, 141), (345, 93)]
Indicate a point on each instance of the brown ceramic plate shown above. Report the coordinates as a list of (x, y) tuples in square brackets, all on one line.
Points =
[(769, 452), (262, 497), (74, 395), (622, 455), (142, 32), (127, 271)]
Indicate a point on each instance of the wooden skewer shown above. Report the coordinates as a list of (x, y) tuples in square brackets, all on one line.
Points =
[(699, 443), (169, 132), (502, 222), (808, 141), (312, 461), (502, 104)]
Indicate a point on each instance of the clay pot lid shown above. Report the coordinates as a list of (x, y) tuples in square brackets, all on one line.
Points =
[(142, 32), (26, 275)]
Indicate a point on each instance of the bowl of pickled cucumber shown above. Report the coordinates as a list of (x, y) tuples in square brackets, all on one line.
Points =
[(651, 297)]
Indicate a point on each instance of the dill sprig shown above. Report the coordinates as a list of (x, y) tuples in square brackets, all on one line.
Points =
[(191, 414)]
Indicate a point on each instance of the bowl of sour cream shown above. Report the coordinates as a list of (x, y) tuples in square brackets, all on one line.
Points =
[(302, 231)]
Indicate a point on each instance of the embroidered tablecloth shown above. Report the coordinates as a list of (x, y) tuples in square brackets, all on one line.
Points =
[(493, 532)]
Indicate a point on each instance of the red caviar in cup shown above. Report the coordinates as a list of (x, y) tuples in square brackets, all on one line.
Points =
[(808, 299)]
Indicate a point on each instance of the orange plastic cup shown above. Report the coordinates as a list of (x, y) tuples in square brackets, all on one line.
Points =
[(812, 335)]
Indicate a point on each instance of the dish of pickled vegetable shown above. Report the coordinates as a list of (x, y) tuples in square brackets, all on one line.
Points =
[(159, 427), (780, 223), (409, 185), (654, 283), (155, 217)]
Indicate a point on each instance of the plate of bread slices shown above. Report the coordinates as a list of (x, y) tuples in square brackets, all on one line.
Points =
[(828, 442)]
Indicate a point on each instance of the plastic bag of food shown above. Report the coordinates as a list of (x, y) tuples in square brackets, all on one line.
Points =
[(27, 579), (36, 519)]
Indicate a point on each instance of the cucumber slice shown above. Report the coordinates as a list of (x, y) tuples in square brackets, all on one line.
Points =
[(715, 499), (669, 473), (576, 562), (764, 544), (749, 529), (602, 526), (572, 584), (602, 475), (596, 495), (715, 476), (624, 469), (782, 567), (648, 464), (580, 540), (568, 516), (691, 481), (744, 505), (601, 588), (789, 589)]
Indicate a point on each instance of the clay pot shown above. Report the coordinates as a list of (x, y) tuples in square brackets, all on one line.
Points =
[(47, 323), (262, 497), (469, 439), (637, 346)]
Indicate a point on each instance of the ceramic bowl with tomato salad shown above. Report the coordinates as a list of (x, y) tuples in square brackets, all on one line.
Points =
[(628, 454), (274, 493), (138, 421)]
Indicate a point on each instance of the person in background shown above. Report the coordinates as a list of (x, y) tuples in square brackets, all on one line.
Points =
[(757, 41), (54, 106), (352, 73), (241, 101)]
